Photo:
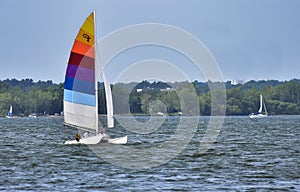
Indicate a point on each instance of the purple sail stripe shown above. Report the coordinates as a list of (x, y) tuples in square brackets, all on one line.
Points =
[(80, 73)]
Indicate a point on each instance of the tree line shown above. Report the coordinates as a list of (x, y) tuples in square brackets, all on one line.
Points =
[(189, 98)]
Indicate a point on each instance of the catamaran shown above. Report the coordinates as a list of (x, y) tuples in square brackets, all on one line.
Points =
[(81, 88), (259, 113)]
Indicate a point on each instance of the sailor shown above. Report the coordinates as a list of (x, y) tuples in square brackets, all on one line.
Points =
[(78, 137), (104, 136), (85, 135)]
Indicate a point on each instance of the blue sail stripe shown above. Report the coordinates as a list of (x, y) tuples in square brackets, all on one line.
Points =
[(74, 84), (79, 98)]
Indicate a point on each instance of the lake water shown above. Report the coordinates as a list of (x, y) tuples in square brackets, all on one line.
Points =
[(249, 155)]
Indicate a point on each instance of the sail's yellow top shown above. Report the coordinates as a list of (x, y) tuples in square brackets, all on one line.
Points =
[(85, 37)]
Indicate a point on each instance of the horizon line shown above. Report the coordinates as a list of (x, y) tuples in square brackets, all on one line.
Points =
[(225, 81)]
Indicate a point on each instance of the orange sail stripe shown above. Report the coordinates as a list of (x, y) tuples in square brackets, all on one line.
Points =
[(83, 49)]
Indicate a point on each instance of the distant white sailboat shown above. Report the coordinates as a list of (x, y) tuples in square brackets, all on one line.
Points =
[(81, 89), (262, 111), (9, 114)]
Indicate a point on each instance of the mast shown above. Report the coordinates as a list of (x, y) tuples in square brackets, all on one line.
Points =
[(96, 73)]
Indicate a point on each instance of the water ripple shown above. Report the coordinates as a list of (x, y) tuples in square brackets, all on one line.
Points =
[(249, 155)]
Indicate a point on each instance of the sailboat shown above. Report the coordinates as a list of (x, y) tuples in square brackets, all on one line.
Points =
[(259, 113), (9, 114), (81, 89)]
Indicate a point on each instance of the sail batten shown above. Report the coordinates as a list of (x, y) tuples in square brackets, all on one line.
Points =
[(80, 109)]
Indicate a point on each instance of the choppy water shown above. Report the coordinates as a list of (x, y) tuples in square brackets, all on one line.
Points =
[(249, 155)]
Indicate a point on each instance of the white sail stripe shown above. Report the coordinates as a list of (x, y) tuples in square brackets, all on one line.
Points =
[(80, 115), (80, 121)]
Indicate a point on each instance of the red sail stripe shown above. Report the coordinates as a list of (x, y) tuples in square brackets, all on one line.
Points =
[(82, 61)]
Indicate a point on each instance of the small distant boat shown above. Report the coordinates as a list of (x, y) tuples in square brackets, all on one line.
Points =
[(160, 113), (9, 114), (81, 89), (33, 115), (262, 111)]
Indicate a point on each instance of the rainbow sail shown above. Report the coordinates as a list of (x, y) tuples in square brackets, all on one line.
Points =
[(80, 89)]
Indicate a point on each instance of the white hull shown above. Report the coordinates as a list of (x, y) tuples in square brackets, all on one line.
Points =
[(257, 116), (9, 117), (88, 141), (96, 139), (118, 141)]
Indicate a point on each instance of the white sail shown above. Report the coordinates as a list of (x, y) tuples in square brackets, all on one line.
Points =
[(261, 104), (265, 108), (10, 110), (9, 114), (109, 102), (80, 116)]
